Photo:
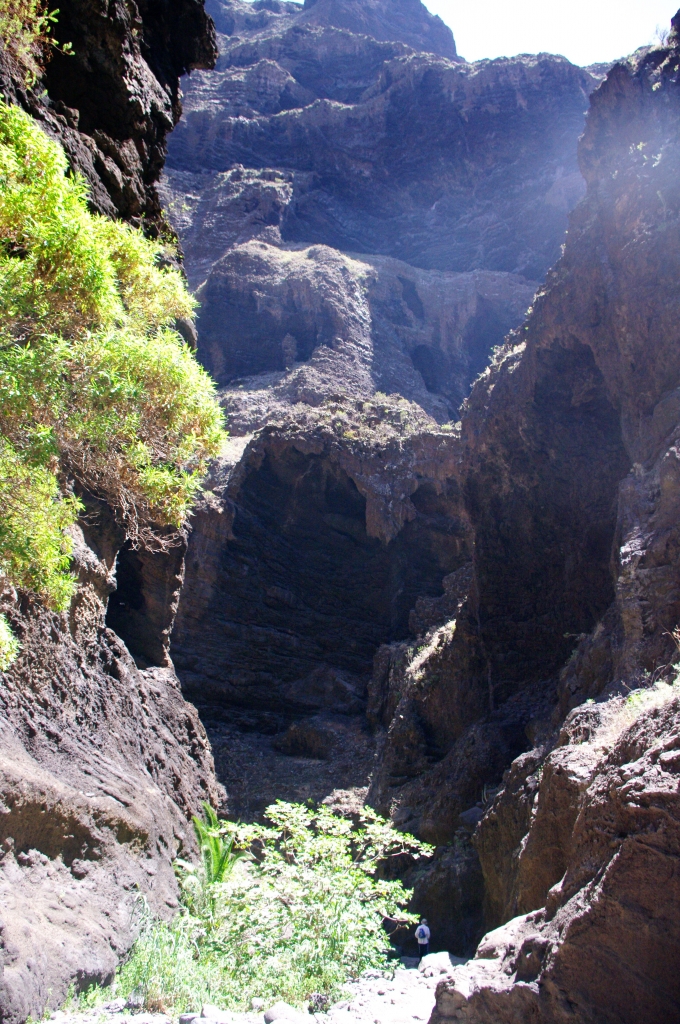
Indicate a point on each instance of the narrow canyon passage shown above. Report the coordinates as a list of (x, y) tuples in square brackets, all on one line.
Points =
[(274, 640)]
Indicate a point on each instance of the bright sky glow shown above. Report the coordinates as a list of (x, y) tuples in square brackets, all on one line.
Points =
[(584, 31)]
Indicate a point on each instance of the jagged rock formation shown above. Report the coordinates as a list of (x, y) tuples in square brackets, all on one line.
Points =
[(112, 101), (101, 763), (582, 838), (362, 210), (566, 455), (321, 140), (311, 552)]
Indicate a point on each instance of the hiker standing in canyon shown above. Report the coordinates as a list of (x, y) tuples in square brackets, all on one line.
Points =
[(423, 937)]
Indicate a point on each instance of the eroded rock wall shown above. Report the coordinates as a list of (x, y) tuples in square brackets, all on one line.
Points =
[(102, 762), (364, 212), (579, 844), (112, 101)]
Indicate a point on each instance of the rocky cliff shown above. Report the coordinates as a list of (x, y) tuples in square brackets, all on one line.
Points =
[(361, 210), (327, 273), (354, 212), (102, 763), (376, 601), (581, 841), (363, 215)]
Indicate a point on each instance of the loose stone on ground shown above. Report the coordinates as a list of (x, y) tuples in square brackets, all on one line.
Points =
[(377, 997)]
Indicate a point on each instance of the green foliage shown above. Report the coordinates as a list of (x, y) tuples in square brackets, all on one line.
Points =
[(34, 550), (301, 916), (219, 856), (9, 645), (25, 31), (96, 387)]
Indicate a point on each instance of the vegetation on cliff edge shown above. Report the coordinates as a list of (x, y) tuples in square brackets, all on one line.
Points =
[(98, 392)]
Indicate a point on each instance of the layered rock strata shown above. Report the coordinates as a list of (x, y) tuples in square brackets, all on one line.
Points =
[(362, 214), (322, 139), (581, 840), (364, 211), (101, 763)]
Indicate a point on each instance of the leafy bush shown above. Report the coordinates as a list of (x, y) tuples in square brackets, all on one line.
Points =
[(25, 28), (96, 387), (298, 918), (9, 645)]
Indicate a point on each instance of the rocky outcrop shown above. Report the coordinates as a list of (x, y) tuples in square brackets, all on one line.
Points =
[(603, 944), (584, 827), (444, 165), (102, 762), (359, 209), (323, 138), (112, 100), (311, 551), (101, 766), (363, 214)]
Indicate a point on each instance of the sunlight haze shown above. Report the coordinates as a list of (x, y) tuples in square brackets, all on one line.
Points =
[(584, 31)]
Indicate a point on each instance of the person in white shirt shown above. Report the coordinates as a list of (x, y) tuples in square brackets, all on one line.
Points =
[(423, 937)]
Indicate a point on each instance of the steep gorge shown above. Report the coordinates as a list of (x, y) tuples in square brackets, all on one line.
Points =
[(542, 484), (361, 217), (375, 601)]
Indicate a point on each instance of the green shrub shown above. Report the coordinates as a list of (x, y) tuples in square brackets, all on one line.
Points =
[(9, 645), (97, 389), (300, 917), (25, 31)]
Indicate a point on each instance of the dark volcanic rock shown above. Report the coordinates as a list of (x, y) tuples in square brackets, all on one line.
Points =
[(405, 20), (446, 166), (101, 766), (603, 948), (363, 213), (311, 552), (334, 128), (325, 322), (585, 827), (113, 100)]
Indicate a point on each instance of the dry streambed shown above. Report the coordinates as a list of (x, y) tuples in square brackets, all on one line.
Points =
[(406, 996)]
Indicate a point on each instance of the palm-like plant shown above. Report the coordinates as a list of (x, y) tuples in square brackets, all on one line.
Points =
[(217, 852), (200, 881)]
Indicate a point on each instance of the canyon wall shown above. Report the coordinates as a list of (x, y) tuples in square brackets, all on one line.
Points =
[(342, 202), (581, 841), (102, 762), (449, 616), (363, 214)]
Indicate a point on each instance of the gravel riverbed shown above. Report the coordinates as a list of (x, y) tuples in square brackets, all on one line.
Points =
[(404, 996)]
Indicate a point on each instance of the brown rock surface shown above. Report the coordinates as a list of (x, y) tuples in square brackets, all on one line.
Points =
[(101, 763), (101, 766), (320, 141), (581, 839), (604, 946)]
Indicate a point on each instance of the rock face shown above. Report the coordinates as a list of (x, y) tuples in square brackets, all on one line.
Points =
[(604, 831), (311, 551), (101, 763), (101, 766), (363, 215), (359, 209), (561, 484), (585, 826), (113, 100)]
